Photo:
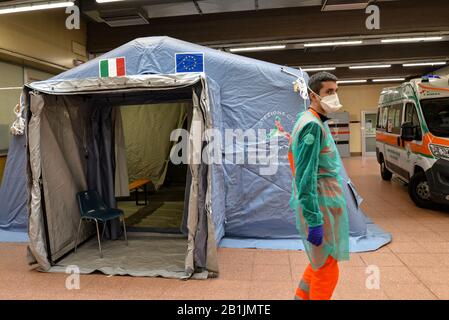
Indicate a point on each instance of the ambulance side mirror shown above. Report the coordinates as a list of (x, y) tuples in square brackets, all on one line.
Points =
[(408, 131)]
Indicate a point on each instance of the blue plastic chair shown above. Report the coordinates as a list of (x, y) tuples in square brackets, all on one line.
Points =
[(92, 207)]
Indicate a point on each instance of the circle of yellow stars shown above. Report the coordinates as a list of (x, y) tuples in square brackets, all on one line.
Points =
[(189, 62)]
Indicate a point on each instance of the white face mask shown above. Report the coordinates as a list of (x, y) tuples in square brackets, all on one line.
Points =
[(330, 103)]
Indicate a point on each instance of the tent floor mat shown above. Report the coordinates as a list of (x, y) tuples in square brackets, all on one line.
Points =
[(167, 214), (374, 239), (13, 236), (164, 210), (151, 255)]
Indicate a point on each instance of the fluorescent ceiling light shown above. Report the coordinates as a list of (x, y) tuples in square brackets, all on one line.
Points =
[(36, 6), (357, 5), (424, 64), (413, 39), (105, 1), (388, 80), (258, 48), (378, 66), (332, 43), (318, 69), (352, 81)]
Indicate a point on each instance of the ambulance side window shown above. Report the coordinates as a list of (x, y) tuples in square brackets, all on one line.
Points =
[(411, 115), (390, 119), (382, 115), (394, 119), (385, 117), (379, 115), (380, 118), (409, 108)]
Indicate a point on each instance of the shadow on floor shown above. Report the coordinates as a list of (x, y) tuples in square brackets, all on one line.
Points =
[(163, 213)]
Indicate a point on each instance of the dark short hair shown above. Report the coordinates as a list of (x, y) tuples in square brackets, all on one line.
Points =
[(315, 81)]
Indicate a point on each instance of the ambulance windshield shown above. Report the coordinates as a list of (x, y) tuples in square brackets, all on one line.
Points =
[(436, 114)]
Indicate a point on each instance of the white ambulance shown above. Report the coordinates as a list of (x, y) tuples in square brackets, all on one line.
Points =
[(412, 138)]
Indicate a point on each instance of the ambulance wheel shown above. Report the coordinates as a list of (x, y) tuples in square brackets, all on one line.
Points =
[(419, 190), (384, 172)]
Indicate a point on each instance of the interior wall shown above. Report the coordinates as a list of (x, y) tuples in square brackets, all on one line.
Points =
[(33, 46), (31, 75), (10, 76), (355, 99), (12, 79), (40, 39)]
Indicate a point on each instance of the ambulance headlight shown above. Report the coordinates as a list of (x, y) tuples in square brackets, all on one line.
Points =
[(439, 151)]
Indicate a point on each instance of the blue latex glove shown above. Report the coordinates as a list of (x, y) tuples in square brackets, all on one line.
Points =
[(315, 235)]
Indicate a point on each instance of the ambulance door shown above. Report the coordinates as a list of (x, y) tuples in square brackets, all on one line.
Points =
[(395, 153), (411, 147)]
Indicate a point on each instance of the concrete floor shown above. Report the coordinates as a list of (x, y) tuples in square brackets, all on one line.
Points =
[(414, 266)]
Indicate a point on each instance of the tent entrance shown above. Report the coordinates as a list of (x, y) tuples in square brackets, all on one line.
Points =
[(157, 247), (147, 133), (79, 143)]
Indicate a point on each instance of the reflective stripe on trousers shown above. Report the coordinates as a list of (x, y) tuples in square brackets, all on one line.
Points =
[(318, 284)]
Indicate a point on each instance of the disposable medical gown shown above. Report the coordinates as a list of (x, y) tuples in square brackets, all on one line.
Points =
[(317, 190)]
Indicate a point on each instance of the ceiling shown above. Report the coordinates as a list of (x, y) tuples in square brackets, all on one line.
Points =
[(176, 8), (238, 23)]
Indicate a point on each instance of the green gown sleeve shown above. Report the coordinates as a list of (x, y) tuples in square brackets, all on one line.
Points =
[(306, 164)]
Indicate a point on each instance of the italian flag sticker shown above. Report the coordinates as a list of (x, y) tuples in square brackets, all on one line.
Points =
[(112, 67)]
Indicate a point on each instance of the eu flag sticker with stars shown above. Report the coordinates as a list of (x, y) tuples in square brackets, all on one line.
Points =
[(189, 62)]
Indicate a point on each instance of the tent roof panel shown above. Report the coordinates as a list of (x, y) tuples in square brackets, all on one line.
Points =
[(116, 84)]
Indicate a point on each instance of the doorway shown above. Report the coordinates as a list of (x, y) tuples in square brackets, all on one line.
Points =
[(147, 133), (368, 129)]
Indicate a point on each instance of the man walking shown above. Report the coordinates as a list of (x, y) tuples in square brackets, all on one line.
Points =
[(317, 191)]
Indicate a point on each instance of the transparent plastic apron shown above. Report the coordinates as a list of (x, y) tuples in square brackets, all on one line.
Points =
[(332, 202)]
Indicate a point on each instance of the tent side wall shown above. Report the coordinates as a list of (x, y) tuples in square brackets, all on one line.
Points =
[(13, 191), (14, 188), (57, 157), (216, 170)]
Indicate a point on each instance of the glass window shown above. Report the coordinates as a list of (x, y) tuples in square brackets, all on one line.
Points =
[(382, 115), (397, 118), (411, 115), (436, 114), (379, 116), (394, 119), (390, 119), (415, 119), (409, 109), (385, 118)]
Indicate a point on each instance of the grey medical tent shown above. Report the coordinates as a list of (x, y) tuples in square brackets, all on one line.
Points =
[(72, 139)]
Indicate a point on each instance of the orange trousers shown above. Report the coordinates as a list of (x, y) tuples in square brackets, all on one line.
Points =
[(318, 284)]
